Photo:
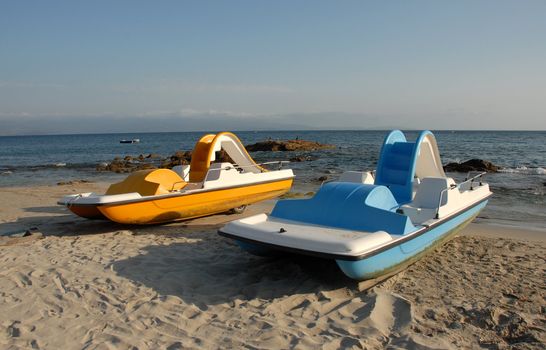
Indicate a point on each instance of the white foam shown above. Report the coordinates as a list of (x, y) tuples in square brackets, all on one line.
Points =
[(524, 170)]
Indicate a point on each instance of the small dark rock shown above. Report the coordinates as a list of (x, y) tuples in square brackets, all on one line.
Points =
[(102, 166), (297, 159), (429, 313), (455, 325), (302, 159), (145, 166), (297, 195), (322, 178), (72, 182), (13, 331), (33, 231)]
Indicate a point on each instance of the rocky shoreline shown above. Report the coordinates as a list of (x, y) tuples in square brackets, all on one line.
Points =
[(129, 164), (287, 146)]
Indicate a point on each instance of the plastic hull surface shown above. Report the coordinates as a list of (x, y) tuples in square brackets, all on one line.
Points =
[(398, 256), (408, 251), (192, 205), (87, 211)]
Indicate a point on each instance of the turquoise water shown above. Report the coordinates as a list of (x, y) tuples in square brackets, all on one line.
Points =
[(519, 189)]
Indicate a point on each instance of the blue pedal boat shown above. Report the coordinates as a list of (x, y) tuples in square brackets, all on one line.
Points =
[(372, 225)]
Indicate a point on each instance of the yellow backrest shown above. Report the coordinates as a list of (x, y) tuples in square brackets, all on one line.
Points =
[(200, 158), (148, 183)]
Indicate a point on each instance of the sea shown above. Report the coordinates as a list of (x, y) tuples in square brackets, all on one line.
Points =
[(518, 188)]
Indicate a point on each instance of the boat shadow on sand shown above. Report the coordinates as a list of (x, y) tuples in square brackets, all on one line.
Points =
[(203, 269), (207, 270), (60, 225), (54, 209), (59, 221)]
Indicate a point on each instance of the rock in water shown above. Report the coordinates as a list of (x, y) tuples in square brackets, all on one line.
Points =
[(179, 158), (303, 158), (222, 156), (152, 161), (289, 145), (126, 165), (472, 165)]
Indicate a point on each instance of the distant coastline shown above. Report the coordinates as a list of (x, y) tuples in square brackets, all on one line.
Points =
[(265, 130)]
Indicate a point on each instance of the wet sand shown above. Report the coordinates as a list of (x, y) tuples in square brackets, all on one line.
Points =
[(99, 285)]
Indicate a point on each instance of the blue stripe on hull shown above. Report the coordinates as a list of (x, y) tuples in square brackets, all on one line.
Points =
[(392, 258)]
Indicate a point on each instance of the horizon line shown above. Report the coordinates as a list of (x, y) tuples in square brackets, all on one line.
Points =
[(271, 130)]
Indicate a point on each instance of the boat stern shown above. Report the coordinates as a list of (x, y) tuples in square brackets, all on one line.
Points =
[(83, 205)]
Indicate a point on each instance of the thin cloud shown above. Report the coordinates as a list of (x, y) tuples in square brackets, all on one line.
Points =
[(190, 112), (185, 86), (28, 85), (184, 112)]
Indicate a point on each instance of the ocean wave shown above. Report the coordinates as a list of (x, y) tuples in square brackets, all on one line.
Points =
[(524, 170), (59, 165)]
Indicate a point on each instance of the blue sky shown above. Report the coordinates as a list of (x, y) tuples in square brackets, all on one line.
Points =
[(308, 64)]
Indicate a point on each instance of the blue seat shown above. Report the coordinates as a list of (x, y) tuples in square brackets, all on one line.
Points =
[(349, 206)]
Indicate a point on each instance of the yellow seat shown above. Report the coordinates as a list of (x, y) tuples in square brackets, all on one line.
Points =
[(149, 183)]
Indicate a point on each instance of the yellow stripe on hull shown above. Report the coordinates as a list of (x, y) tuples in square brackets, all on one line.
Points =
[(193, 205)]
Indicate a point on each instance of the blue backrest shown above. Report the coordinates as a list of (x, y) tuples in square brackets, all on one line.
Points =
[(349, 206), (396, 165)]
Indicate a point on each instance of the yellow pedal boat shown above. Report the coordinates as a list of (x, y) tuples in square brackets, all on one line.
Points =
[(187, 191)]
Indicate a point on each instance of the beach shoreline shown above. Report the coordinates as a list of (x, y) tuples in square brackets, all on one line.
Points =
[(518, 187), (93, 284), (41, 199)]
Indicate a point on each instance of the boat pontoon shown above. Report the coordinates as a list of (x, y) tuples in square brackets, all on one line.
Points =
[(371, 224), (187, 191)]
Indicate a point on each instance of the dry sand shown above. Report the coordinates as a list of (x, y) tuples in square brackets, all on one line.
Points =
[(98, 285)]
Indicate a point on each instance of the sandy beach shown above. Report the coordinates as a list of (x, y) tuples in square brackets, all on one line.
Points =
[(100, 285)]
